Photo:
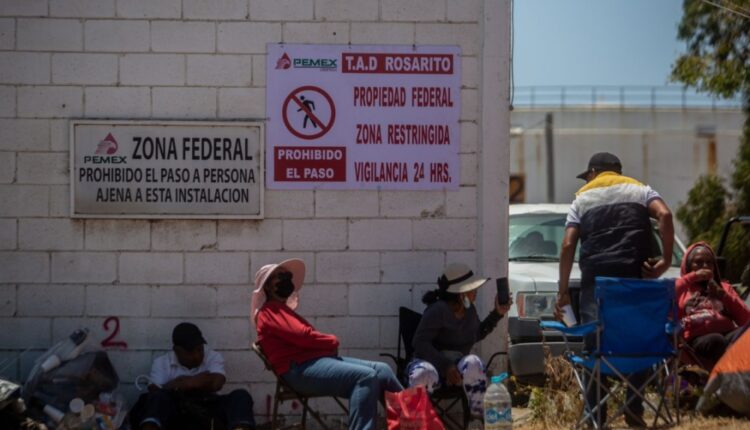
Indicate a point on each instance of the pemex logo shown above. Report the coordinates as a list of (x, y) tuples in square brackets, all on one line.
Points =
[(108, 146), (105, 153), (284, 62)]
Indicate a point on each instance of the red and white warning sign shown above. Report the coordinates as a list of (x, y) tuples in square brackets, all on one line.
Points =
[(318, 117), (363, 117)]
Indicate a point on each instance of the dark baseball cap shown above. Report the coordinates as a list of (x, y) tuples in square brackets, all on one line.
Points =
[(187, 335), (601, 162)]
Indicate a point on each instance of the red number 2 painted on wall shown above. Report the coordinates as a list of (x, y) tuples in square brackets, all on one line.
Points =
[(109, 342)]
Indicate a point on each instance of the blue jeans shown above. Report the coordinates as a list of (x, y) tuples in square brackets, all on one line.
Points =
[(362, 382)]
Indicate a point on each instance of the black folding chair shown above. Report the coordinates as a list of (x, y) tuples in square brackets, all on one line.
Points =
[(445, 398), (284, 393)]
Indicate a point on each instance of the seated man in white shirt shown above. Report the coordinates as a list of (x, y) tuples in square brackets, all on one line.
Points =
[(183, 388)]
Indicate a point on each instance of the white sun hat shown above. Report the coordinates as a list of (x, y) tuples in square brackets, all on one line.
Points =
[(295, 266), (458, 278)]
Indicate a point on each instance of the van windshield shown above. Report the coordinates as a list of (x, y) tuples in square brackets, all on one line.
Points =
[(538, 237)]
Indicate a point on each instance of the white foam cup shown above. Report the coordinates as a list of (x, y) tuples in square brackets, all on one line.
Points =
[(569, 318), (76, 405), (88, 412)]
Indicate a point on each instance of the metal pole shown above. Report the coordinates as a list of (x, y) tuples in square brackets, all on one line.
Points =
[(548, 139), (562, 97), (653, 98), (684, 97)]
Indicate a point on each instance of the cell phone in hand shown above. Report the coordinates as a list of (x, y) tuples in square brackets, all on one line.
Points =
[(503, 291)]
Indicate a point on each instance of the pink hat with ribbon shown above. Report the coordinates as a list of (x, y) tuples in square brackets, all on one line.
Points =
[(295, 266)]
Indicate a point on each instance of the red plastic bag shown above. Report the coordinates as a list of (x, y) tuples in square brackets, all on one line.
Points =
[(411, 409)]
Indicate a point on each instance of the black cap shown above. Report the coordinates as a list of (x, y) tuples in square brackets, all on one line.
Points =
[(601, 162), (187, 335)]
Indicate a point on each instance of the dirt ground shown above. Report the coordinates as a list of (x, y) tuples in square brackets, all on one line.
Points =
[(522, 421)]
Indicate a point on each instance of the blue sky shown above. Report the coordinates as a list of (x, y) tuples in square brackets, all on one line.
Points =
[(595, 42)]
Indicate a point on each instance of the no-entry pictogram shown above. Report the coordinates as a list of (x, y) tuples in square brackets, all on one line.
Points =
[(308, 112)]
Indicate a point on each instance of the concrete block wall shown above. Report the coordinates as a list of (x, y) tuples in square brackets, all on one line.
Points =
[(367, 252)]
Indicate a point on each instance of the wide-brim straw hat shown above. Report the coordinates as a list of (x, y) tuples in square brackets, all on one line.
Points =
[(295, 266), (458, 278)]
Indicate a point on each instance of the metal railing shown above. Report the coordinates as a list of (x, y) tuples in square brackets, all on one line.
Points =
[(668, 96)]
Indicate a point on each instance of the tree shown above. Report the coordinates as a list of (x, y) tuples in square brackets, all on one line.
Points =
[(717, 61), (718, 48), (705, 204)]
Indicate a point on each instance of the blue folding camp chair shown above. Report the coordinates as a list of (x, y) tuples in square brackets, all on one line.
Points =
[(634, 334)]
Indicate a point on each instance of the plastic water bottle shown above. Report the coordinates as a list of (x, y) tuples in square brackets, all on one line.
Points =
[(66, 350), (497, 405)]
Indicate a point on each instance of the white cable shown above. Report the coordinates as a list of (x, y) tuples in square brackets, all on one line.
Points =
[(140, 380), (737, 7), (720, 6)]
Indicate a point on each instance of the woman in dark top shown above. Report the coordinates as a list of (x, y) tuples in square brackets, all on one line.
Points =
[(448, 330)]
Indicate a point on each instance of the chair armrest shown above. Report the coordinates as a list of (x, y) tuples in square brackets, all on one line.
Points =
[(492, 358), (671, 328), (553, 325), (391, 356), (576, 330)]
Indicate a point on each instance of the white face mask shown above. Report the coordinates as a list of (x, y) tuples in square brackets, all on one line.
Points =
[(467, 302)]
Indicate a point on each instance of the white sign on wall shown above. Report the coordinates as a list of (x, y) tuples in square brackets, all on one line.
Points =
[(363, 117), (152, 169)]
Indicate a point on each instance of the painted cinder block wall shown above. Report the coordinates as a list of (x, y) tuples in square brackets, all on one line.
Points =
[(367, 252)]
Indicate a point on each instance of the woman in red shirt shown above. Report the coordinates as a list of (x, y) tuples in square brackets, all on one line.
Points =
[(307, 359), (709, 309)]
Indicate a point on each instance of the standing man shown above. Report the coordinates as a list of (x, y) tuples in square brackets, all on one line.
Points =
[(611, 217), (309, 106), (183, 390)]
